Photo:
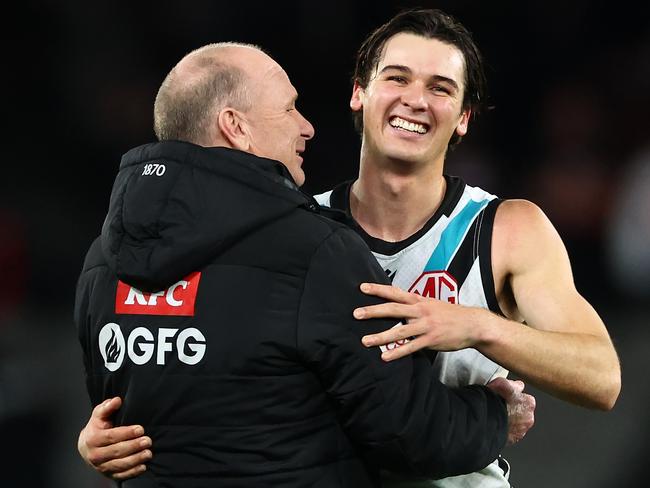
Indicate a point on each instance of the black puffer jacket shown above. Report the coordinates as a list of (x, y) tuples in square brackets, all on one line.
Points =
[(243, 361)]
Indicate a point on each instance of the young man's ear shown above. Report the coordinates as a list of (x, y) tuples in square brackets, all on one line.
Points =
[(463, 123), (234, 128), (356, 101)]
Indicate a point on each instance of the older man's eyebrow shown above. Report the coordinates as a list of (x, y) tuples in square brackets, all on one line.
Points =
[(407, 70)]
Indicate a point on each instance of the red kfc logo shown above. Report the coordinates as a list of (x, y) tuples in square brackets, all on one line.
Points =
[(436, 284), (178, 299)]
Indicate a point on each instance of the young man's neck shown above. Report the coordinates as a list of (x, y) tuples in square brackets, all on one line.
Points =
[(391, 203)]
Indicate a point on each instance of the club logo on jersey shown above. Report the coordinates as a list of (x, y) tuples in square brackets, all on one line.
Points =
[(141, 345), (178, 299), (436, 284)]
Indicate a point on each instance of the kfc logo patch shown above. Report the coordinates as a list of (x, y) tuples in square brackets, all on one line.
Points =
[(436, 284), (178, 299)]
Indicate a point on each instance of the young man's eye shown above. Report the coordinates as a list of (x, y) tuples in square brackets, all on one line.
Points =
[(398, 79)]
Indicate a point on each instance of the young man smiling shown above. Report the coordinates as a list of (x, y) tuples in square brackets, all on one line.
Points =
[(505, 294)]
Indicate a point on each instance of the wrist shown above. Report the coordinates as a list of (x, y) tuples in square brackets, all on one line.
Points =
[(486, 328)]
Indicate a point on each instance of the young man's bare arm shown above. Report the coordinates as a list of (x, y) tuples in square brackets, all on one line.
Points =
[(564, 348)]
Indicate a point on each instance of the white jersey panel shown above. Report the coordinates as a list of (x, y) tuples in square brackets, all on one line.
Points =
[(323, 199)]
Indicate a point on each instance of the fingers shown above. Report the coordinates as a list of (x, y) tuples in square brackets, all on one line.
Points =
[(97, 446), (514, 387), (120, 456), (521, 416), (384, 310), (517, 386), (520, 407), (531, 404), (523, 421), (126, 467), (130, 473), (404, 349), (390, 293), (397, 342), (501, 387), (395, 334), (102, 413), (118, 435), (506, 388)]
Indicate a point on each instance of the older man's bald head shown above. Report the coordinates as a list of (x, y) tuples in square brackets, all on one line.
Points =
[(202, 83)]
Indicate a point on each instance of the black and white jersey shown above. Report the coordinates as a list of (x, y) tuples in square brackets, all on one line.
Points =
[(448, 259)]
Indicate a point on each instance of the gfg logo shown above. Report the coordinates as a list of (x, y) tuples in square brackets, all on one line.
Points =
[(141, 345)]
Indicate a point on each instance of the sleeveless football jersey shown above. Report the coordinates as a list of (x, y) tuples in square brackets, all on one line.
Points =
[(448, 259)]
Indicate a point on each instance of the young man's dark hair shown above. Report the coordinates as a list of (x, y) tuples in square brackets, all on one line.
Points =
[(431, 24)]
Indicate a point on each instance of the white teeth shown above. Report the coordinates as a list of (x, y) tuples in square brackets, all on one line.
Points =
[(406, 125)]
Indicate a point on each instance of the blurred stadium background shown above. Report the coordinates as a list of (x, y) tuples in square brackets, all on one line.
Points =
[(569, 130)]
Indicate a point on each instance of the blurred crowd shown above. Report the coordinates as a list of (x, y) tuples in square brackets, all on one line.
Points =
[(568, 130)]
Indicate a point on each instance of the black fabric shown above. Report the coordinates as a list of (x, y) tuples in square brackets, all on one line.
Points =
[(484, 249), (285, 394)]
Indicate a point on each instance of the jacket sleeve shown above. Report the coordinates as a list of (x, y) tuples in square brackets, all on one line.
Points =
[(82, 321), (398, 413)]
